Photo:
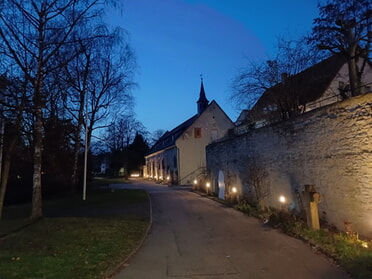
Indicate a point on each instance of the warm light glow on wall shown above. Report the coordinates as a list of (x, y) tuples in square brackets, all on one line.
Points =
[(282, 199), (195, 181), (208, 184), (234, 190)]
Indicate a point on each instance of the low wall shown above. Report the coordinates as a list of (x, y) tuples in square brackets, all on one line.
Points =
[(330, 148)]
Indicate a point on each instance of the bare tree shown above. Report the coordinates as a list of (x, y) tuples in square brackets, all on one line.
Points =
[(257, 179), (258, 76), (122, 132), (15, 103), (99, 82), (156, 135), (345, 27), (33, 34)]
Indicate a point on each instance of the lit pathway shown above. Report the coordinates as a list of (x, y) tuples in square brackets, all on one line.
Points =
[(194, 237)]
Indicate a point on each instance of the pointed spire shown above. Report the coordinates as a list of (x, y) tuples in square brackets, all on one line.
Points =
[(203, 101)]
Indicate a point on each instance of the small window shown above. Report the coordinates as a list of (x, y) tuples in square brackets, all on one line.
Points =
[(197, 132)]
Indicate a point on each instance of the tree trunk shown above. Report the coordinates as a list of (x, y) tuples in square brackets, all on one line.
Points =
[(36, 192), (2, 190), (75, 164), (74, 177), (38, 144), (355, 82), (5, 175)]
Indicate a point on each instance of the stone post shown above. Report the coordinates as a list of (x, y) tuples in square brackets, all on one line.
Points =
[(311, 198)]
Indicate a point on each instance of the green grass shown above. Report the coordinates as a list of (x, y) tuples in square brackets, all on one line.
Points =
[(105, 181), (349, 253), (89, 246)]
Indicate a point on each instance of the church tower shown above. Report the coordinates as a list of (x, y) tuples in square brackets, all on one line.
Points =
[(202, 102)]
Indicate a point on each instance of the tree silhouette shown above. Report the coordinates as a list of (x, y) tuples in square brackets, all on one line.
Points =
[(345, 27)]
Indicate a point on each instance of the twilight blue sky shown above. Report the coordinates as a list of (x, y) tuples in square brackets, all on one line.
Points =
[(177, 40)]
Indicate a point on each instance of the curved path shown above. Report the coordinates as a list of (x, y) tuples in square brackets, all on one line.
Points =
[(195, 237)]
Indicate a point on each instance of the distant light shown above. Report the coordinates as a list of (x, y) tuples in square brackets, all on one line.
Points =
[(168, 177), (195, 181), (364, 244), (208, 184), (160, 177), (234, 190), (282, 199), (135, 175)]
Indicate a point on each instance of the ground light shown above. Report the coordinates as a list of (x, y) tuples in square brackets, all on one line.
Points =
[(208, 185), (283, 200)]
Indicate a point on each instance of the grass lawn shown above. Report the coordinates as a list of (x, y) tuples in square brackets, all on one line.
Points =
[(77, 239), (354, 255)]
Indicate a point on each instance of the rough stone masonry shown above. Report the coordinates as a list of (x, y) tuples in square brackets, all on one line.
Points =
[(330, 148)]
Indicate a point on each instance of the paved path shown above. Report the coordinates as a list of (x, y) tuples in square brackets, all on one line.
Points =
[(195, 237)]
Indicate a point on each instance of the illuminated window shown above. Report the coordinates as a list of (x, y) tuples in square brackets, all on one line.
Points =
[(197, 132)]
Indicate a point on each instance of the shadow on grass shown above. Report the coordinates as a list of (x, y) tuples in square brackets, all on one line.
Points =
[(76, 238), (98, 203)]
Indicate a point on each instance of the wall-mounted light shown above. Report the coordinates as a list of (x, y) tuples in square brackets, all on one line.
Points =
[(234, 189), (195, 181), (208, 185), (282, 199)]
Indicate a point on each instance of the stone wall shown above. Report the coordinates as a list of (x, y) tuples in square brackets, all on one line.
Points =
[(330, 148)]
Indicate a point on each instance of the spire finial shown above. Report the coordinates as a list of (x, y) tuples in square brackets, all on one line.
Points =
[(201, 77)]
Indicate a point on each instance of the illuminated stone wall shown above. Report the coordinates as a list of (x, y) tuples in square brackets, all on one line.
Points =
[(330, 148)]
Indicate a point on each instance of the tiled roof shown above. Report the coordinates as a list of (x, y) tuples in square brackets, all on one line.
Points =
[(309, 85), (169, 138)]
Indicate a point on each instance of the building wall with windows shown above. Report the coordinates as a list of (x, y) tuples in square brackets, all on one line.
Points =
[(178, 157), (211, 125)]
